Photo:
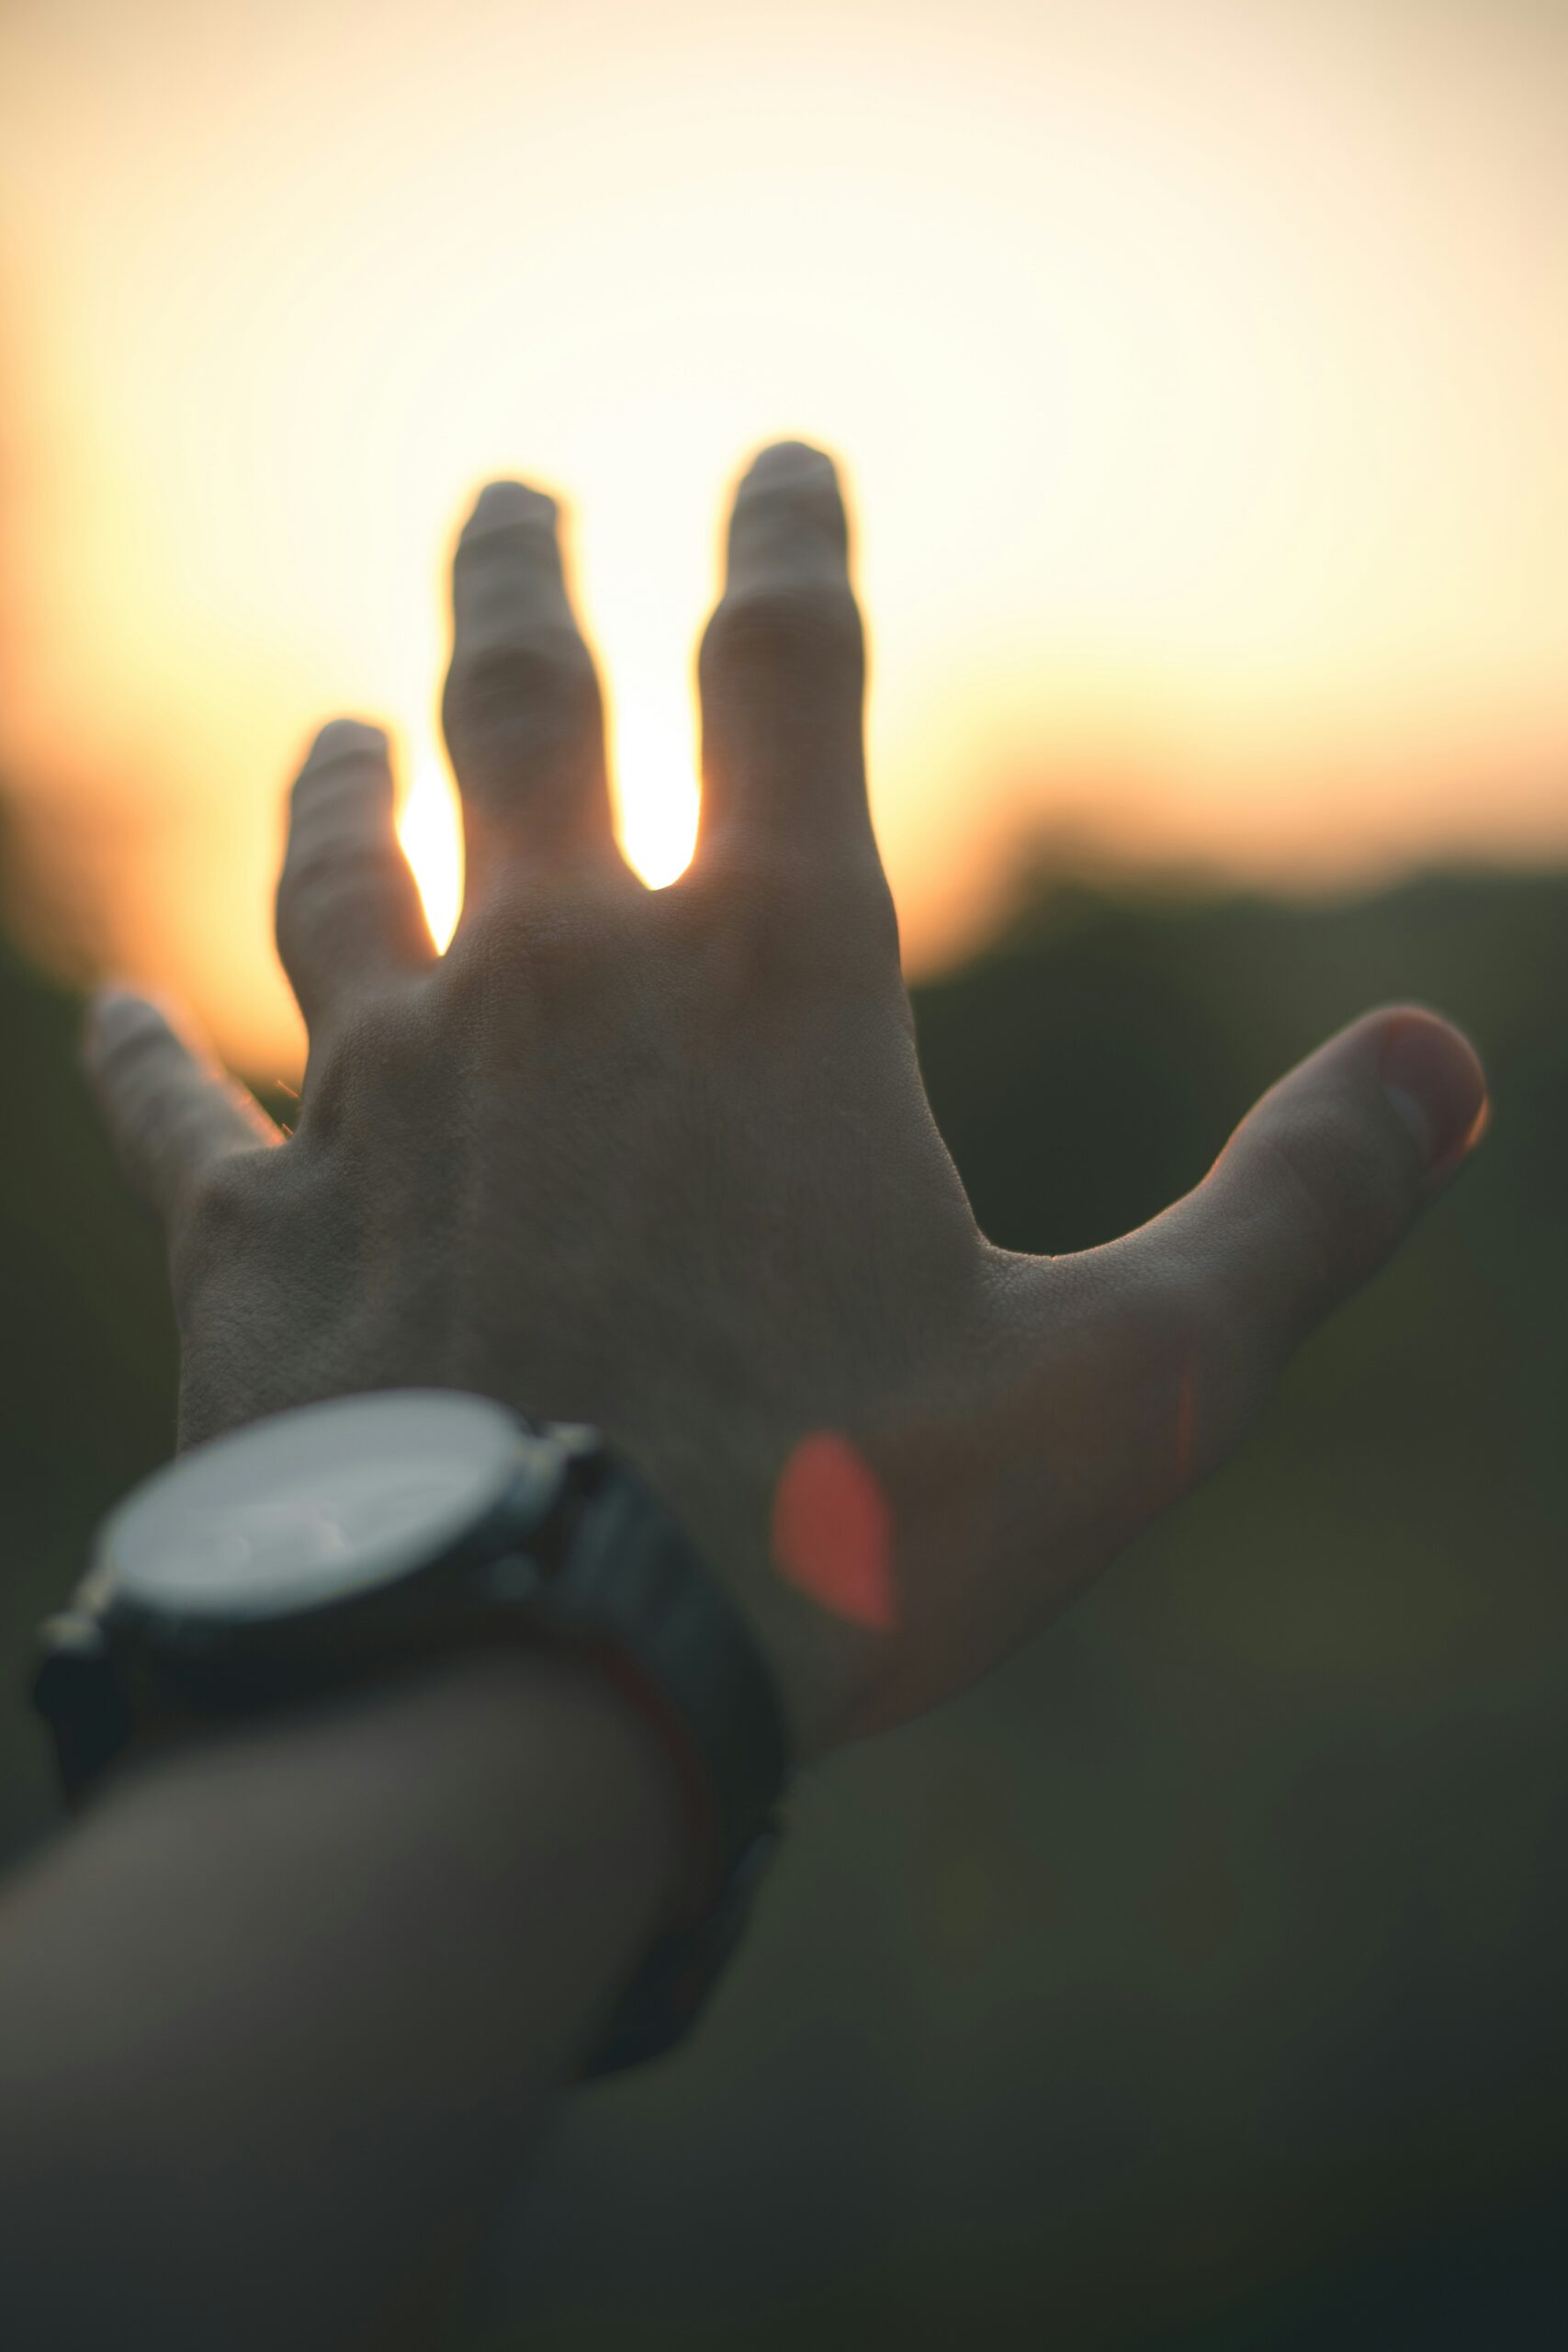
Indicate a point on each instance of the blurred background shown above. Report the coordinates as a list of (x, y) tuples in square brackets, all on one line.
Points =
[(1200, 370)]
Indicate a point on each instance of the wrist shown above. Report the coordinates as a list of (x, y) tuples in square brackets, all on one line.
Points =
[(499, 1765), (308, 1571), (349, 1945), (509, 1724)]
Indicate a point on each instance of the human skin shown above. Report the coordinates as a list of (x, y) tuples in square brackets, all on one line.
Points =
[(282, 2015), (286, 2013), (662, 1160)]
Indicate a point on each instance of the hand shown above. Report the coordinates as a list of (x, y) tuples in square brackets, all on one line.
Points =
[(663, 1161)]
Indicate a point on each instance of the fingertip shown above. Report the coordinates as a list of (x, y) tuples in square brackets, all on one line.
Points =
[(792, 481), (113, 1009), (1436, 1084), (124, 1022), (778, 461), (346, 739), (788, 515), (505, 501), (110, 993)]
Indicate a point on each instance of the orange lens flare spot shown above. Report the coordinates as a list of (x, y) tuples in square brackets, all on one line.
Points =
[(832, 1532)]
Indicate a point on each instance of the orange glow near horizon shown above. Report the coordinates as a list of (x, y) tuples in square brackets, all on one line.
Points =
[(1198, 368)]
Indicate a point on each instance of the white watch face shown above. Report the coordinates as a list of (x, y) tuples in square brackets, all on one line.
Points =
[(314, 1506)]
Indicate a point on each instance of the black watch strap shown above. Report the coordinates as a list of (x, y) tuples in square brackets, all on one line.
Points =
[(681, 1650)]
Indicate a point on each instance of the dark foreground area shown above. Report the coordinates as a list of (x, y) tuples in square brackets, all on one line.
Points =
[(1197, 1981)]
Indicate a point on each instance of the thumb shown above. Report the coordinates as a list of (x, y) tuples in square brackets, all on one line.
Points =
[(1323, 1180)]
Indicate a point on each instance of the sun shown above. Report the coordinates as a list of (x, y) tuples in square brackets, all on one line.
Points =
[(657, 789), (656, 815), (431, 831)]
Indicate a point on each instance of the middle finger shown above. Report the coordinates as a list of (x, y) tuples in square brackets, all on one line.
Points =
[(522, 708)]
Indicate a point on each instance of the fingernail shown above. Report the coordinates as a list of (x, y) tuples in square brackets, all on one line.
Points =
[(1436, 1085), (787, 460), (512, 501), (346, 739)]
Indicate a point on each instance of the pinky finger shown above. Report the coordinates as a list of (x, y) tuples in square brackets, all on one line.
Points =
[(170, 1111)]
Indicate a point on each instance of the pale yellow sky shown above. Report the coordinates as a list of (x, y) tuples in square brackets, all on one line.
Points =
[(1200, 368)]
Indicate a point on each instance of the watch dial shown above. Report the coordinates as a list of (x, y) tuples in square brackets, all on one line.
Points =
[(317, 1503)]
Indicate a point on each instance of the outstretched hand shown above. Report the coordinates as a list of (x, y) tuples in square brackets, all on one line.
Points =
[(662, 1160)]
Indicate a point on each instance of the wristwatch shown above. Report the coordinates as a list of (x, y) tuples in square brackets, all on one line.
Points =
[(339, 1542)]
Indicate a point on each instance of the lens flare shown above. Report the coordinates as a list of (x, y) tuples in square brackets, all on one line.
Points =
[(833, 1530)]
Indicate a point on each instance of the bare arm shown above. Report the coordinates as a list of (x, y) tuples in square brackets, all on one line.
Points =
[(278, 2021)]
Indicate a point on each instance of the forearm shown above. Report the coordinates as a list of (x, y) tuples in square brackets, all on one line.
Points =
[(277, 2020)]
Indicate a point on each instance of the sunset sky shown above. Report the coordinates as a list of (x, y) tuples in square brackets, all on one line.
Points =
[(1199, 367)]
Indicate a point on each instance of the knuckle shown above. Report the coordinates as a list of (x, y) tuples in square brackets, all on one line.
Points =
[(536, 684), (218, 1212), (223, 1198), (326, 876), (786, 621)]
